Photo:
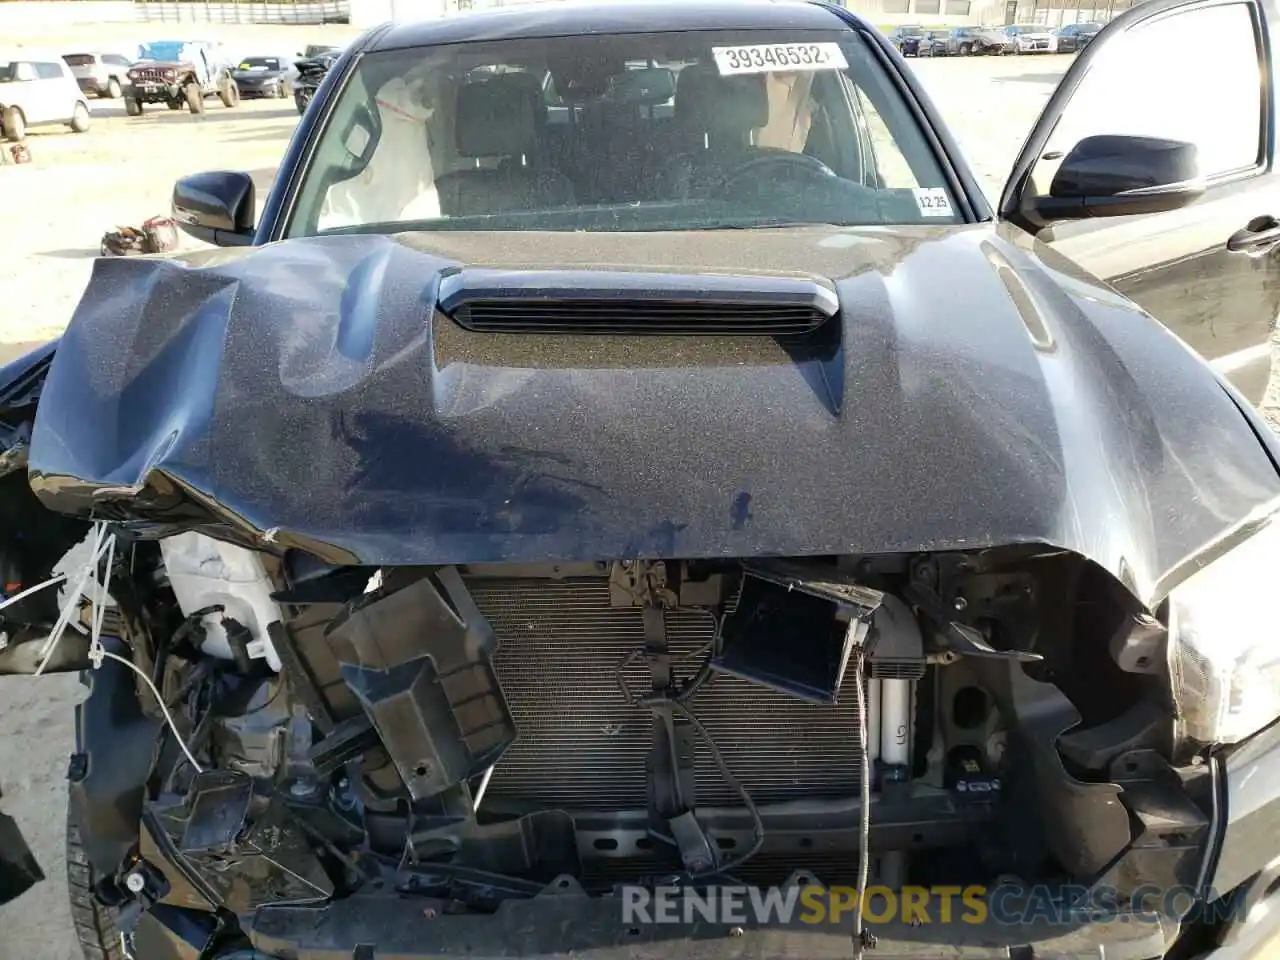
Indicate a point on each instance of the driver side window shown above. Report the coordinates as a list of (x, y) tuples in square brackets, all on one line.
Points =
[(1161, 79)]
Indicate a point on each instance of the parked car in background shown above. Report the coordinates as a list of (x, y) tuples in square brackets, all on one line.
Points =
[(178, 72), (907, 40), (933, 43), (311, 73), (264, 76), (1030, 38), (1073, 37), (318, 50), (99, 74), (38, 89), (977, 41)]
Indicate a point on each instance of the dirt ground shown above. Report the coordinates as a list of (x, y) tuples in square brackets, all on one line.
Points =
[(54, 212)]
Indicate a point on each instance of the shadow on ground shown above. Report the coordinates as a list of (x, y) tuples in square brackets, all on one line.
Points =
[(215, 112), (279, 132), (70, 254), (1052, 79)]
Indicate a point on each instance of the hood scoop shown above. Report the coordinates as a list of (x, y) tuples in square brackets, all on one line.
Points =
[(630, 303)]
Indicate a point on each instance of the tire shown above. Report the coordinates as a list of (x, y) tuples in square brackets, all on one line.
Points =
[(965, 49), (229, 94), (281, 93), (175, 104), (133, 106), (113, 89), (80, 118), (195, 98), (95, 925), (13, 124)]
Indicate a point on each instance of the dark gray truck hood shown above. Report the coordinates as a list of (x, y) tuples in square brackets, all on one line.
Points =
[(308, 394)]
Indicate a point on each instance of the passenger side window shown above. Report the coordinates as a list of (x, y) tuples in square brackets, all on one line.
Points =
[(48, 71), (24, 71), (1162, 79)]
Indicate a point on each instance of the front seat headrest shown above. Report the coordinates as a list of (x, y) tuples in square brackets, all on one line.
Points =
[(708, 102), (501, 117)]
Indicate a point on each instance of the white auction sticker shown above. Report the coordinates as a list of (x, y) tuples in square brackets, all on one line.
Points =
[(780, 57), (932, 201)]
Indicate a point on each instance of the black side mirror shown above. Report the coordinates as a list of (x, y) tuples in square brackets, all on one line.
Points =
[(1115, 176), (216, 207)]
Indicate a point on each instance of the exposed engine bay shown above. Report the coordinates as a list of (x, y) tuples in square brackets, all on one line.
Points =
[(480, 735)]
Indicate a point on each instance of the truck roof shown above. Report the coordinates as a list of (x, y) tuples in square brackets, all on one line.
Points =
[(562, 17)]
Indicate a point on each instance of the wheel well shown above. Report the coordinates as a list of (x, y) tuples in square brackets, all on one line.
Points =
[(4, 106)]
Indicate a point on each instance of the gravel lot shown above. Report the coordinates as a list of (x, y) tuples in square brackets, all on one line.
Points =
[(55, 211)]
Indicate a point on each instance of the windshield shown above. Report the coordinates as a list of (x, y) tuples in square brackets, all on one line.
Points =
[(261, 63), (663, 131), (912, 31), (162, 50)]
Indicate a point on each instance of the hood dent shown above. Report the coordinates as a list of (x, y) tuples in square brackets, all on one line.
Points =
[(977, 397)]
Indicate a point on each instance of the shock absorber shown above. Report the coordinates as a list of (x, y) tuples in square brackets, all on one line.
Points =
[(896, 655)]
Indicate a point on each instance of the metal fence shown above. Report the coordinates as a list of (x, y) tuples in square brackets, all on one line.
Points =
[(254, 11)]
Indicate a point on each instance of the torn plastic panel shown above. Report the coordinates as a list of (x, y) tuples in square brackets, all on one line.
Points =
[(425, 677), (792, 628)]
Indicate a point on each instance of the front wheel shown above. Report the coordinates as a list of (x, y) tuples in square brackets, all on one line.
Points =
[(133, 106), (229, 94), (80, 118), (195, 98), (95, 924), (113, 89), (965, 49), (13, 125)]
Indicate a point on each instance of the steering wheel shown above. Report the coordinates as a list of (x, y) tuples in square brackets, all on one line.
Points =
[(775, 163)]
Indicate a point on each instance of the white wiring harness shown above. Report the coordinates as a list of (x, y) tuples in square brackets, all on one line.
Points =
[(104, 545)]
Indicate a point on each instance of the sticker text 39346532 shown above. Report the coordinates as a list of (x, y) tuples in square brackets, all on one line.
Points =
[(779, 57)]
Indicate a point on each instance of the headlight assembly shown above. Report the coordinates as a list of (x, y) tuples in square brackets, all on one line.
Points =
[(1224, 642)]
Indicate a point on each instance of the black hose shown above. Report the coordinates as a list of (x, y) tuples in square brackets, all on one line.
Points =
[(678, 700), (757, 824)]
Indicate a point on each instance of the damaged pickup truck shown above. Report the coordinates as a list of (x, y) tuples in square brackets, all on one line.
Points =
[(627, 454)]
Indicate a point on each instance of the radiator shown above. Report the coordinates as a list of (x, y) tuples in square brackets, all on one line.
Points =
[(582, 747)]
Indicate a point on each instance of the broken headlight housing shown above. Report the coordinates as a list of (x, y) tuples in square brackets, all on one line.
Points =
[(1224, 651)]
